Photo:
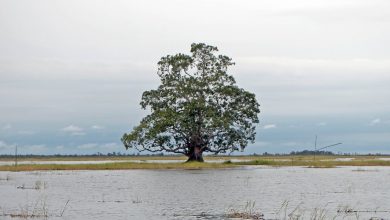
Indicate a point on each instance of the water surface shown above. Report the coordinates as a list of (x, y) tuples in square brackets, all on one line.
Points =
[(198, 194)]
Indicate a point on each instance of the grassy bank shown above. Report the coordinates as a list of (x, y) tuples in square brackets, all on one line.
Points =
[(116, 166), (317, 163), (230, 161)]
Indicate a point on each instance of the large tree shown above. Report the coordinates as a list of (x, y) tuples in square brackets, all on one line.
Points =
[(197, 108)]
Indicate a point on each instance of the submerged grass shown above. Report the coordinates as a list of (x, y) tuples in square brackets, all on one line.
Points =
[(248, 212)]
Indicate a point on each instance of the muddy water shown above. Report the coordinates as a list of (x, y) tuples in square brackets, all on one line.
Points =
[(198, 194), (111, 161)]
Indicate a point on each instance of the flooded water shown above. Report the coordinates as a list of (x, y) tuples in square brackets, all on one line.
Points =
[(109, 161), (344, 193), (94, 161)]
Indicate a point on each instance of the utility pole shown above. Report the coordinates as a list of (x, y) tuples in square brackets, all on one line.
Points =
[(16, 155), (315, 148), (322, 148)]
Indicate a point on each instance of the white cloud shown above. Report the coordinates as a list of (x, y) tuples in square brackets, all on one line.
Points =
[(269, 126), (72, 128), (97, 127), (375, 122), (322, 124)]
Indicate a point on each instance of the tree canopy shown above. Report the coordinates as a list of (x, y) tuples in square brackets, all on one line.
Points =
[(197, 108)]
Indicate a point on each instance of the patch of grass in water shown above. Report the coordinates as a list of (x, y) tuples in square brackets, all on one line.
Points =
[(322, 166), (260, 162), (248, 212)]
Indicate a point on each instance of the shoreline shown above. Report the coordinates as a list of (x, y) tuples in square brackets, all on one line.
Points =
[(214, 163)]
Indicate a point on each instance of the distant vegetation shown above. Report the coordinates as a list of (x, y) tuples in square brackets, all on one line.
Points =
[(111, 154), (311, 152), (124, 155)]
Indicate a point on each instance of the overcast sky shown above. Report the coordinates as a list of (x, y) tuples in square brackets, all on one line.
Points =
[(72, 72)]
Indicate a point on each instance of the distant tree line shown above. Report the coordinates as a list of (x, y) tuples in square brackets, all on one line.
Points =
[(119, 154), (98, 154), (312, 152)]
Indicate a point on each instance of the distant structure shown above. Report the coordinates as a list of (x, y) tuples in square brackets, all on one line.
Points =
[(322, 148)]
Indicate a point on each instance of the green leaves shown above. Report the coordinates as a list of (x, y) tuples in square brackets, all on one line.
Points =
[(197, 104)]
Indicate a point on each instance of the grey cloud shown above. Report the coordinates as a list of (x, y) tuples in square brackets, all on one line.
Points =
[(26, 132), (6, 148), (6, 127), (34, 149), (88, 146), (4, 145), (344, 11), (88, 62), (375, 121), (58, 69), (322, 124)]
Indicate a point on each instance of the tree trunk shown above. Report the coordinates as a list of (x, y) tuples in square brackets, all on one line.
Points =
[(195, 155)]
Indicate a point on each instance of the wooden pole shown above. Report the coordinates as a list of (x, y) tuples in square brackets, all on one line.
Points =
[(16, 155), (315, 148)]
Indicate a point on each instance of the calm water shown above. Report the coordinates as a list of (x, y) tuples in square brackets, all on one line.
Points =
[(110, 161), (198, 194)]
